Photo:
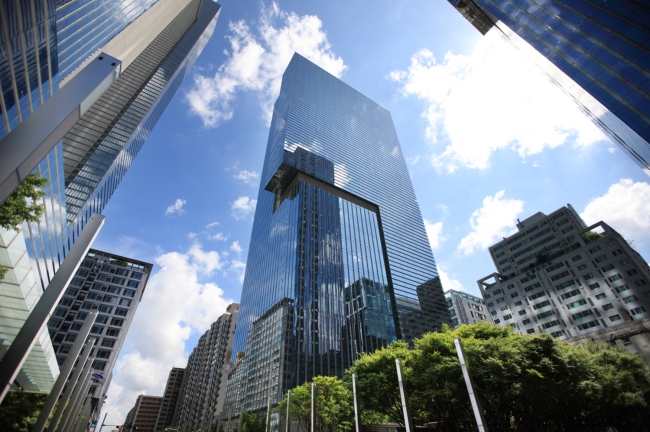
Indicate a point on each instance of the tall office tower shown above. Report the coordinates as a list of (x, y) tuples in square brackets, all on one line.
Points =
[(339, 260), (203, 388), (157, 43), (170, 397), (558, 276), (597, 52), (466, 308), (113, 285), (142, 417)]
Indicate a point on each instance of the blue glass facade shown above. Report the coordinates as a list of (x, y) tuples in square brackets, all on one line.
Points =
[(338, 237), (603, 46)]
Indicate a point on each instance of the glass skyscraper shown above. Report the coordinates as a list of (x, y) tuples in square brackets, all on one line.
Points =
[(87, 165), (339, 261), (598, 52)]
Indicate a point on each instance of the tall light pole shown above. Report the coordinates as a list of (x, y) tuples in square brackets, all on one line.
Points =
[(356, 407), (478, 412), (402, 392)]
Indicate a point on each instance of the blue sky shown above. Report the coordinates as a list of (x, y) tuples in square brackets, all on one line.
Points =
[(487, 141)]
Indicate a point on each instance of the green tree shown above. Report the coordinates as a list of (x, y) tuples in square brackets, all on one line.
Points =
[(334, 410), (22, 206), (524, 383), (19, 411), (251, 422)]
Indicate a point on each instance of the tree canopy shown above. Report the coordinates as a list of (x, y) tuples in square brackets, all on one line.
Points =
[(523, 383)]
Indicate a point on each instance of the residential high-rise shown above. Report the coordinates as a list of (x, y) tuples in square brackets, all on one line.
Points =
[(597, 52), (170, 398), (142, 417), (339, 259), (157, 42), (202, 391), (466, 308), (113, 285), (558, 276)]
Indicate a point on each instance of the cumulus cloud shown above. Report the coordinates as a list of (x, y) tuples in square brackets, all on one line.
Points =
[(434, 232), (256, 61), (490, 99), (249, 177), (239, 268), (626, 208), (235, 247), (219, 237), (242, 207), (176, 208), (495, 219), (447, 281), (177, 302)]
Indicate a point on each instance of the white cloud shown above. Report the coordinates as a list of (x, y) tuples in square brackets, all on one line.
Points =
[(219, 237), (493, 220), (176, 208), (257, 60), (235, 247), (434, 232), (626, 208), (242, 207), (238, 267), (213, 224), (249, 177), (447, 281), (493, 98), (176, 303), (413, 160)]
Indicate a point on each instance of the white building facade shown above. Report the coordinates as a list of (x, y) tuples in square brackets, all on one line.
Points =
[(466, 308)]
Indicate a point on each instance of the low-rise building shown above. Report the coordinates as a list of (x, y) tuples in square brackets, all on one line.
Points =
[(466, 308), (556, 275)]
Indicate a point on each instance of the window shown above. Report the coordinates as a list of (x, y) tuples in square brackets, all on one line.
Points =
[(93, 296), (513, 295), (601, 258), (503, 261), (117, 322), (129, 293), (497, 321), (493, 312), (87, 264), (546, 314), (638, 310), (541, 305), (105, 309), (122, 312), (112, 332), (588, 325), (103, 354), (71, 292), (640, 282), (114, 290), (575, 304), (500, 300), (617, 252), (101, 319), (109, 343), (565, 284), (536, 296), (122, 272), (522, 312), (593, 286), (77, 282), (110, 299), (594, 249), (504, 308), (588, 276), (125, 302), (98, 365), (622, 288), (82, 316), (518, 303), (614, 278), (97, 330), (88, 305), (582, 267), (601, 296), (70, 337), (497, 292), (452, 312), (608, 267), (507, 317), (582, 314), (60, 312), (526, 322), (505, 269), (66, 302), (133, 284), (75, 327), (65, 349), (560, 275), (511, 286), (625, 262), (136, 275), (570, 294), (118, 281), (557, 334), (529, 331), (575, 258), (532, 287), (629, 299), (550, 324), (610, 243), (615, 317), (608, 306)]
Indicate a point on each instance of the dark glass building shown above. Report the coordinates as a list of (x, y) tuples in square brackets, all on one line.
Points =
[(339, 254), (602, 46)]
